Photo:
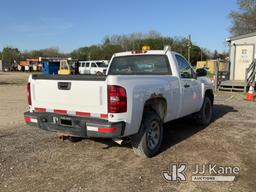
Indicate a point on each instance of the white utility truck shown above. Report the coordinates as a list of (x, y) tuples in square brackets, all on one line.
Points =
[(140, 92)]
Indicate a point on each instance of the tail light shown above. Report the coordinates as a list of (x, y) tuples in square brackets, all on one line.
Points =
[(29, 93), (117, 99)]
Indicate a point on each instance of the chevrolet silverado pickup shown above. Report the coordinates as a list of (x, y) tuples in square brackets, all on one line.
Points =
[(140, 92)]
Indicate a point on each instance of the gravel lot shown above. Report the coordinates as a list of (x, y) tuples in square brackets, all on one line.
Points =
[(36, 160)]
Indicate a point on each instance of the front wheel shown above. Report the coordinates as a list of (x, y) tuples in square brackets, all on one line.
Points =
[(148, 140), (204, 116)]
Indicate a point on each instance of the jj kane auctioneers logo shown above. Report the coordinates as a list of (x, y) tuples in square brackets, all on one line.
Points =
[(204, 172)]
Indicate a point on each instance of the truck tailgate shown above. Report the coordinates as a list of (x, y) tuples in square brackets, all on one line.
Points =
[(75, 95)]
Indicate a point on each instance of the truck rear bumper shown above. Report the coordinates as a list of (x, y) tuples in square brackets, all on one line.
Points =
[(74, 125)]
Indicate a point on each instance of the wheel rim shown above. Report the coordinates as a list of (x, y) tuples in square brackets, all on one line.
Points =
[(207, 111), (153, 135)]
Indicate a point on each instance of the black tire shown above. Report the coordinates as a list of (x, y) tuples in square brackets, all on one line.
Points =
[(99, 73), (75, 139), (143, 143), (204, 116)]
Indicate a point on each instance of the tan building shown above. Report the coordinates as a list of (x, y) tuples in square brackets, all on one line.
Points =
[(211, 65), (242, 53)]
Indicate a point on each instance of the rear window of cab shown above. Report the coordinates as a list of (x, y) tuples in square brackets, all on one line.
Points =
[(140, 64)]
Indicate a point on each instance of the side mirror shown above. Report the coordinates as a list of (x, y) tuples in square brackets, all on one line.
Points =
[(200, 72)]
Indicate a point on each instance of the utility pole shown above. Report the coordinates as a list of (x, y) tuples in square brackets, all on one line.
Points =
[(189, 47), (201, 52)]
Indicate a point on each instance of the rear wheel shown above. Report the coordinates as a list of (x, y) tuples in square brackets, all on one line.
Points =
[(148, 140)]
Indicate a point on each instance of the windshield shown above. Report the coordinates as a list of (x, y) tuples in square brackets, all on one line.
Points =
[(140, 64)]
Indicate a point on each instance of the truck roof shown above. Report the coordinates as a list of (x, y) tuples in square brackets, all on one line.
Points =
[(140, 52)]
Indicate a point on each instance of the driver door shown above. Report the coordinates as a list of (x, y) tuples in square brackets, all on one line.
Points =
[(190, 86)]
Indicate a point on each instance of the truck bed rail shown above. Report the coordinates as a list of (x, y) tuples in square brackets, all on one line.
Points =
[(70, 77)]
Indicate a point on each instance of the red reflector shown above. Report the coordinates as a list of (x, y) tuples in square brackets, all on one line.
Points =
[(104, 115), (106, 129), (27, 119), (60, 111), (38, 109), (85, 114)]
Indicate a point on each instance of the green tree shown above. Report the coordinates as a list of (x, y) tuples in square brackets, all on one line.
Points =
[(48, 52), (135, 41), (10, 55), (109, 49), (216, 54), (83, 53), (244, 20)]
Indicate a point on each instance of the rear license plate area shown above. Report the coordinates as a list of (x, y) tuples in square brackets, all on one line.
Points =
[(64, 121)]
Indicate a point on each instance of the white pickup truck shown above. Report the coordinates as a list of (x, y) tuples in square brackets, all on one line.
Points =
[(141, 91)]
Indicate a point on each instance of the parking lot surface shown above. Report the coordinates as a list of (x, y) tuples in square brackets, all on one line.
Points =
[(35, 160)]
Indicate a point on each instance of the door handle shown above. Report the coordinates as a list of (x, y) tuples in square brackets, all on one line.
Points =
[(186, 85), (64, 85)]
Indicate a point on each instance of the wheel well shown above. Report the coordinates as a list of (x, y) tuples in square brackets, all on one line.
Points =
[(159, 105), (209, 93)]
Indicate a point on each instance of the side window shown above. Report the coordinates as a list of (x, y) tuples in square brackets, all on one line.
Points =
[(82, 64), (94, 65), (87, 64), (185, 69)]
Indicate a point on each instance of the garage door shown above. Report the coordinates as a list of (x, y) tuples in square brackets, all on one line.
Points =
[(243, 58)]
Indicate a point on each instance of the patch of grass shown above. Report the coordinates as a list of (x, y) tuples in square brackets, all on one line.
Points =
[(11, 83), (4, 83)]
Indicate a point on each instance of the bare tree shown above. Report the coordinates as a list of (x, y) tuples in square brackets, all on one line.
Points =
[(244, 20)]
